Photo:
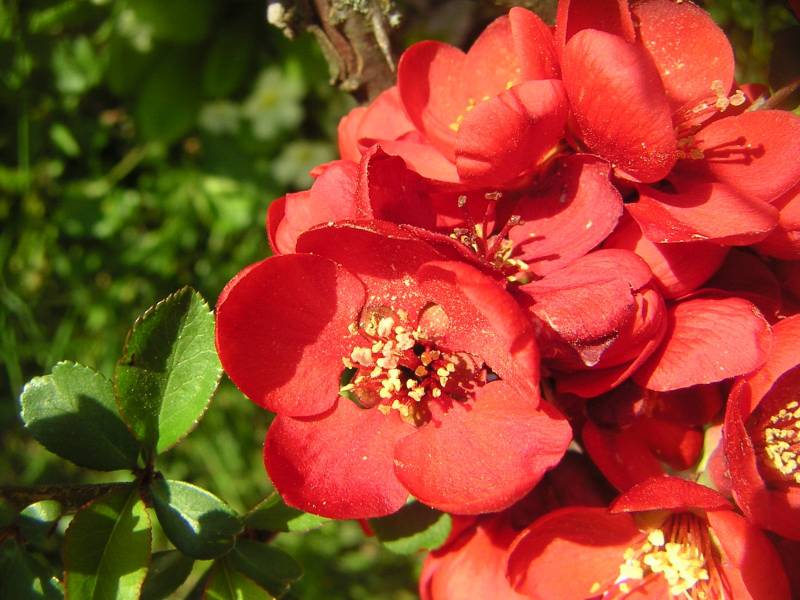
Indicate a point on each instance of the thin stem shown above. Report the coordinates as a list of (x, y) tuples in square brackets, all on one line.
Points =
[(71, 496)]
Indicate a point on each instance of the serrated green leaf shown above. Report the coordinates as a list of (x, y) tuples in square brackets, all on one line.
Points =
[(37, 519), (107, 548), (168, 570), (414, 527), (169, 370), (271, 568), (195, 520), (72, 413), (23, 576), (272, 514), (226, 583)]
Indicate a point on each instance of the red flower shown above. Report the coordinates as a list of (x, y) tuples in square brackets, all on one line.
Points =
[(494, 112), (659, 115), (663, 538), (472, 564), (438, 360), (762, 436)]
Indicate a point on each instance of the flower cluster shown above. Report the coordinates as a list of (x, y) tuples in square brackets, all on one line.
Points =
[(587, 235)]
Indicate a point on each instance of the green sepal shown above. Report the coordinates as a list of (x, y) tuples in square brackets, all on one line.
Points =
[(413, 528), (169, 370), (197, 522), (72, 413)]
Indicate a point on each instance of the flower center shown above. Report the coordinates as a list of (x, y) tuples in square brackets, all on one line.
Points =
[(495, 250), (681, 552), (403, 368), (781, 444)]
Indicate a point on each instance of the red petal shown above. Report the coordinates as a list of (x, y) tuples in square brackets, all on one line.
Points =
[(485, 321), (622, 457), (389, 191), (543, 564), (424, 159), (600, 265), (784, 242), (745, 275), (619, 104), (677, 268), (339, 464), (472, 568), (612, 16), (669, 493), (505, 135), (331, 198), (347, 134), (382, 255), (709, 339), (589, 302), (675, 444), (534, 46), (282, 331), (642, 337), (749, 552), (575, 211), (755, 153), (275, 214), (702, 210), (677, 35), (784, 354), (428, 77), (483, 456), (493, 63), (384, 119)]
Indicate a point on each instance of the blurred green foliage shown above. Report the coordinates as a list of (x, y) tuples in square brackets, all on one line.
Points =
[(140, 144)]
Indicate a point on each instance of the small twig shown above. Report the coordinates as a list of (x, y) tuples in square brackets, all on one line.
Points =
[(780, 96), (71, 496)]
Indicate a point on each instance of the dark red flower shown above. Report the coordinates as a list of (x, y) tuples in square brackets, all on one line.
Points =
[(663, 538), (392, 372)]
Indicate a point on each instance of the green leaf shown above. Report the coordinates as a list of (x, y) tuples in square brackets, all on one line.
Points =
[(72, 413), (24, 576), (169, 369), (196, 521), (272, 514), (414, 527), (168, 570), (271, 568), (227, 583), (107, 548), (37, 520)]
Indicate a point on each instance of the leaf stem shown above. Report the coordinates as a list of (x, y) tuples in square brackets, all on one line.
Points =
[(71, 496)]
